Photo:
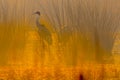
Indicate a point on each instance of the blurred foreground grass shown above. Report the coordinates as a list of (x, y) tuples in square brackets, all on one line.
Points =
[(87, 71)]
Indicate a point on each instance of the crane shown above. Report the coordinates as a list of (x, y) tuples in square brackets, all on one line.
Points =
[(44, 33)]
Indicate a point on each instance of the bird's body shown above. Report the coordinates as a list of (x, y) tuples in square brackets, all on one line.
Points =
[(45, 34)]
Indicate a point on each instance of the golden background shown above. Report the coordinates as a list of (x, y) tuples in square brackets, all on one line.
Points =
[(25, 56)]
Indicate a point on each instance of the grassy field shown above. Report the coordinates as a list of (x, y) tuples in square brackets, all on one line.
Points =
[(84, 33)]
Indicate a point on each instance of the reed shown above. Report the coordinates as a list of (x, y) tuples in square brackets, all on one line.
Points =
[(12, 32), (82, 32), (92, 27)]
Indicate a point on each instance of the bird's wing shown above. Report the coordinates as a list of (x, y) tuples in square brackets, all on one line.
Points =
[(45, 34)]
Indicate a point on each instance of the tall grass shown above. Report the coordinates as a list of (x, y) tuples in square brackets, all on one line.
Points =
[(83, 31), (93, 27), (12, 32)]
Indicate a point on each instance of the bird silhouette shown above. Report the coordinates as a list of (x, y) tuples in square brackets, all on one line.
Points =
[(44, 33)]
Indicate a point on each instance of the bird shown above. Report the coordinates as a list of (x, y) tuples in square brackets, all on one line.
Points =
[(44, 33)]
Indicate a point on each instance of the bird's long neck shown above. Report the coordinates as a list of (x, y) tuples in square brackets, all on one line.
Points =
[(37, 19)]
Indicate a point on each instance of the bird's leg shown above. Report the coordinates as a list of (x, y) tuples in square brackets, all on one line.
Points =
[(42, 52), (47, 52)]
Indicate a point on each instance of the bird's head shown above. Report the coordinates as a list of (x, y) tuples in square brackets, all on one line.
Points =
[(37, 13)]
